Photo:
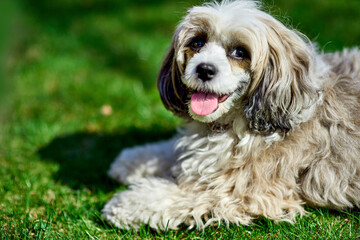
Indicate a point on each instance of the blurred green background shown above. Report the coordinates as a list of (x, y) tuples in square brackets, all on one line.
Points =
[(78, 84)]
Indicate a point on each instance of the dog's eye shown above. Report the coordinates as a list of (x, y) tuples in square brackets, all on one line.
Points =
[(239, 53), (197, 43)]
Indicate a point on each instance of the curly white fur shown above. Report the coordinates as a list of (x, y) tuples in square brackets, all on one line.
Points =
[(288, 135)]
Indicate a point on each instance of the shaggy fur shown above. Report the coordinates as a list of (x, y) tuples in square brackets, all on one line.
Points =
[(287, 134)]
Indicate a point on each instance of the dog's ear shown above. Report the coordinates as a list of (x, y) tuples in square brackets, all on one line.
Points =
[(283, 88), (172, 91)]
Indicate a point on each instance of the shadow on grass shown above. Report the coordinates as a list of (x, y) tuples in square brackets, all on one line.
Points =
[(84, 158)]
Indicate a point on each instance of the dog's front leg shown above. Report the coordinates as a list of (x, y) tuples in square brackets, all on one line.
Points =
[(149, 160), (162, 204)]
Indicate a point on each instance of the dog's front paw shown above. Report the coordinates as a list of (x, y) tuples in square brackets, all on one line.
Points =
[(149, 201), (121, 212)]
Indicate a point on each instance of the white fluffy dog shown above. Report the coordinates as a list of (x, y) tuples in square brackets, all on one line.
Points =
[(272, 125)]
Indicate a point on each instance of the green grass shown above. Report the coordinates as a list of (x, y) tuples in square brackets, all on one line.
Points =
[(66, 59)]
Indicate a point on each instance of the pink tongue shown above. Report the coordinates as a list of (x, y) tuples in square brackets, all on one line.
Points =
[(204, 103)]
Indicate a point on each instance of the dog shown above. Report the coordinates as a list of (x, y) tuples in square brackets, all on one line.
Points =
[(271, 125)]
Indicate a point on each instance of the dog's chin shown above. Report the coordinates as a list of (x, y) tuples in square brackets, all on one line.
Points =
[(224, 104)]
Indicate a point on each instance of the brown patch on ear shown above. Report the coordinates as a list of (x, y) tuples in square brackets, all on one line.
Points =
[(263, 116), (172, 91)]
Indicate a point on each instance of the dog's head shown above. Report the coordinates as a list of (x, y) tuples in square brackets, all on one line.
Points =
[(231, 59)]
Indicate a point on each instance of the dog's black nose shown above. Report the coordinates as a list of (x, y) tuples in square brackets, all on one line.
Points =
[(206, 71)]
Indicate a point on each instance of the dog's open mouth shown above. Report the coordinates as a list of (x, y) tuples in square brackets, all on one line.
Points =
[(203, 103)]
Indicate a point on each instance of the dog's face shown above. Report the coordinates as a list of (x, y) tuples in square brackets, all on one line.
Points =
[(217, 71), (235, 60)]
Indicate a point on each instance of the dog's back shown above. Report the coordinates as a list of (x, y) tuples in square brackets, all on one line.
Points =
[(334, 179), (346, 62)]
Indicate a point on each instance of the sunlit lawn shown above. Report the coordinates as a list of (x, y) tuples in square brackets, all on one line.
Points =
[(81, 79)]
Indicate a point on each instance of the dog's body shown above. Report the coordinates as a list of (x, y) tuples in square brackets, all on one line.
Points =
[(272, 125)]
